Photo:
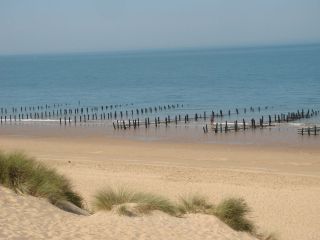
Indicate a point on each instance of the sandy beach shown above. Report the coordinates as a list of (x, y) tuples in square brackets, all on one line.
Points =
[(159, 120), (281, 185)]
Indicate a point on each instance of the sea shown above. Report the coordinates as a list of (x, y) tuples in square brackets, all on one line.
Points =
[(274, 79)]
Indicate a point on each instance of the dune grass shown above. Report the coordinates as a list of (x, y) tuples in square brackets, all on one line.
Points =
[(144, 202), (233, 212), (195, 204), (26, 175)]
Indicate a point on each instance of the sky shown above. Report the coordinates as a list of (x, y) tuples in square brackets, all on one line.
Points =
[(57, 26)]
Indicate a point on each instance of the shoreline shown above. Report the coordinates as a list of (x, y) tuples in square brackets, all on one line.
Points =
[(275, 136)]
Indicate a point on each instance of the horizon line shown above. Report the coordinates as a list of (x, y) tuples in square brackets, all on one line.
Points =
[(163, 49)]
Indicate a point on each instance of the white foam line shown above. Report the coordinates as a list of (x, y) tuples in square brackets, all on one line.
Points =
[(39, 120)]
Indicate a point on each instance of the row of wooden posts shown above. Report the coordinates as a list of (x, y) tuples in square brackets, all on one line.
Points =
[(78, 112), (309, 131), (217, 127), (103, 116), (61, 115), (280, 118), (21, 109), (61, 108), (84, 113), (103, 108)]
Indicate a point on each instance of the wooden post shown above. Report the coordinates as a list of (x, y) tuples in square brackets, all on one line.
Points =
[(269, 120)]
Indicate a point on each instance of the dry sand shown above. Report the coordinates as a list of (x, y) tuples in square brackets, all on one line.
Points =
[(25, 217), (281, 184)]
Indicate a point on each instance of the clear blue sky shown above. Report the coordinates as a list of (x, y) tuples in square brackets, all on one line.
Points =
[(40, 26)]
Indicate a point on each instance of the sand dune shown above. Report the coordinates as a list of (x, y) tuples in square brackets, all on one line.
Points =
[(25, 217), (281, 185)]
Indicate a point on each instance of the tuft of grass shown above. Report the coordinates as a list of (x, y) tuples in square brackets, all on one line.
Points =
[(123, 210), (106, 199), (233, 212), (195, 204), (25, 175), (144, 202)]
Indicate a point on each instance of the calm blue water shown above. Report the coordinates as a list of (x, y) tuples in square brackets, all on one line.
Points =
[(286, 78)]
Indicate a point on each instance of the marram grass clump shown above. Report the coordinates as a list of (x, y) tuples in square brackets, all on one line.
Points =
[(233, 212), (26, 175), (143, 203), (195, 204)]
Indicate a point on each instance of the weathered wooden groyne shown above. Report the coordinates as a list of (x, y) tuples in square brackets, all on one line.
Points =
[(129, 116), (309, 131)]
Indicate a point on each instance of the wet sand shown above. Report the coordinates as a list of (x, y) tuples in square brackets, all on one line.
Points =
[(280, 182)]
